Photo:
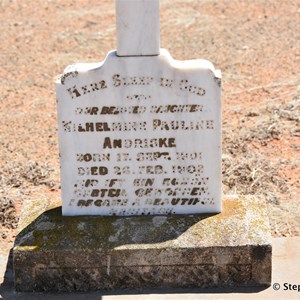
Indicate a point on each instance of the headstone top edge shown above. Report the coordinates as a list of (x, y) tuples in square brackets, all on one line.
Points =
[(74, 70)]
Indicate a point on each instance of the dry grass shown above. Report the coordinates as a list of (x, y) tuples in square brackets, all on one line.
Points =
[(246, 171), (249, 172), (8, 217), (17, 181), (17, 175)]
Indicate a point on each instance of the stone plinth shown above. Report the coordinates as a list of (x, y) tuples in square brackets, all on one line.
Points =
[(55, 253)]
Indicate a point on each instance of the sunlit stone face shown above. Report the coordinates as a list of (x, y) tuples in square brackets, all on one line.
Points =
[(140, 135)]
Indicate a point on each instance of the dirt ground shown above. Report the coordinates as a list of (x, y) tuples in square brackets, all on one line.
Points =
[(255, 43)]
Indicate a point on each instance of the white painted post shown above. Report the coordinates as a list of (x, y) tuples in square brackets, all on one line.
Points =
[(137, 27)]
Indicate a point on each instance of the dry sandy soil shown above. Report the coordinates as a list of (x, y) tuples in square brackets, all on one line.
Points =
[(256, 44)]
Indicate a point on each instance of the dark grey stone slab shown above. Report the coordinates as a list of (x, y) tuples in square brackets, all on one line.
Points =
[(55, 253)]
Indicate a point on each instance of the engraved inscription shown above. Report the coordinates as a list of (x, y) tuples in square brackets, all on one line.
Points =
[(76, 92), (141, 142)]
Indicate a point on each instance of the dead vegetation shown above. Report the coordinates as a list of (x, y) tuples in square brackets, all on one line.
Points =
[(252, 175), (249, 171), (8, 217), (271, 123), (17, 175), (16, 182)]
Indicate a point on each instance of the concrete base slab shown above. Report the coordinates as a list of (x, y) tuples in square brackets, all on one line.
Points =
[(55, 253)]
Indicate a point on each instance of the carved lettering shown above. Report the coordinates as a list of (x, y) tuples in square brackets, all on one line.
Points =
[(87, 157), (131, 80), (185, 86), (190, 108), (92, 171), (76, 92), (139, 143), (73, 92), (141, 146), (182, 125)]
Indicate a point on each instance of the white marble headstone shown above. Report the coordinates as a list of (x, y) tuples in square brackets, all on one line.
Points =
[(140, 134)]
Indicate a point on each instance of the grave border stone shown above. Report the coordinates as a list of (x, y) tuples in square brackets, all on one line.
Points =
[(55, 254)]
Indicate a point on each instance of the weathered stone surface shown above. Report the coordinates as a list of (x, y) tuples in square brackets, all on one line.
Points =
[(140, 135), (55, 253)]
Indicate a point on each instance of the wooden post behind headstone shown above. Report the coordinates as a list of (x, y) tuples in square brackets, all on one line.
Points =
[(137, 27)]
